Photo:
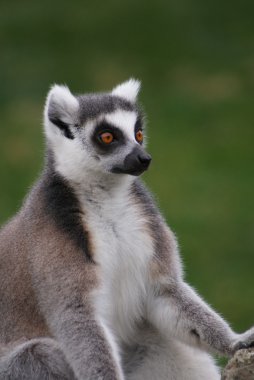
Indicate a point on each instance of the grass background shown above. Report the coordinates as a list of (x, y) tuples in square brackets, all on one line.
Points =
[(196, 62)]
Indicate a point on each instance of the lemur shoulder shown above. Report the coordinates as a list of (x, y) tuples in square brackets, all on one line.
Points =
[(91, 282)]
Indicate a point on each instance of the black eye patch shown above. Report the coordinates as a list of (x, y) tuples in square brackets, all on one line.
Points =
[(118, 138), (138, 125)]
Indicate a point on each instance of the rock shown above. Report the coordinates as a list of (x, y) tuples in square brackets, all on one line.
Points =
[(241, 366)]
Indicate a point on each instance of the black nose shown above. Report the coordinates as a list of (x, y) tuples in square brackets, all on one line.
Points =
[(144, 159), (135, 163)]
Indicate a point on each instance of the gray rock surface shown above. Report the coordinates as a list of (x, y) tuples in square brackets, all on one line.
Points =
[(241, 366)]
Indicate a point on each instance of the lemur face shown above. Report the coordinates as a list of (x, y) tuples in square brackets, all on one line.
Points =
[(117, 142), (99, 132)]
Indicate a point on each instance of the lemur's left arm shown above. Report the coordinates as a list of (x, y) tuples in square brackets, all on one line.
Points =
[(176, 310)]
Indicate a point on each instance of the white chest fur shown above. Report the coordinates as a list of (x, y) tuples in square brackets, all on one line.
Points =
[(123, 248)]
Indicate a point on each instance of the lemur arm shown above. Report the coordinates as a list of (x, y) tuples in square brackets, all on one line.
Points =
[(86, 342), (176, 310), (65, 293)]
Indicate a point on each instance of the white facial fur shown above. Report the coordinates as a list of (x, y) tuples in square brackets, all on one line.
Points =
[(124, 120)]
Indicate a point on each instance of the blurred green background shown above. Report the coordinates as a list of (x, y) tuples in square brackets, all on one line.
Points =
[(196, 62)]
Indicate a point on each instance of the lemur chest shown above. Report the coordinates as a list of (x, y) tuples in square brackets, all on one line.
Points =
[(123, 248)]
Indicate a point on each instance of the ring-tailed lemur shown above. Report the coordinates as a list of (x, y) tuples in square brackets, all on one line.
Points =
[(91, 284)]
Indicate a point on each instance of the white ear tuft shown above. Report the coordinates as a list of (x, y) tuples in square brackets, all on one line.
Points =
[(61, 105), (128, 90)]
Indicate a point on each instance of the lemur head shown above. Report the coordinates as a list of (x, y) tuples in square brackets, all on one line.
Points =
[(103, 133)]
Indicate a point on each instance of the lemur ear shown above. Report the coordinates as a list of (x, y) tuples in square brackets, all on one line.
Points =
[(128, 90), (61, 109)]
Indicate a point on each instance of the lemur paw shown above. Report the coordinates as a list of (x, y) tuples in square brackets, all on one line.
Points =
[(245, 340)]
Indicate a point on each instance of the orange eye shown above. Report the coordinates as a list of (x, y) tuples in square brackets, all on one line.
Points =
[(106, 137), (139, 137)]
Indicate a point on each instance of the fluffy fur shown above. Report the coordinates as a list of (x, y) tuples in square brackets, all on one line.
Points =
[(91, 283), (128, 90)]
